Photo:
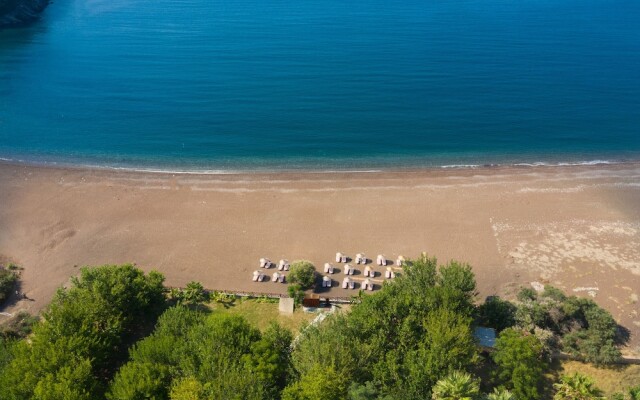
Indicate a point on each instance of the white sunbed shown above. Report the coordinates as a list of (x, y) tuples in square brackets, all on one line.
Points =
[(328, 268)]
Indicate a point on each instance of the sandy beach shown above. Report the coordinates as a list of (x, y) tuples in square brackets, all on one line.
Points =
[(576, 227)]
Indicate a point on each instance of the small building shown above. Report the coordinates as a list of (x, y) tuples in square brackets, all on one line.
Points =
[(285, 306)]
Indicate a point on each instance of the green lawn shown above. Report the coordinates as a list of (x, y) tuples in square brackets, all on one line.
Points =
[(611, 379), (260, 312)]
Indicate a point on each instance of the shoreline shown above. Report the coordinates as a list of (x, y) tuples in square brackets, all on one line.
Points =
[(314, 171), (573, 227)]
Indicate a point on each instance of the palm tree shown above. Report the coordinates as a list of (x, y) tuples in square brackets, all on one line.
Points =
[(456, 386), (500, 394), (576, 387)]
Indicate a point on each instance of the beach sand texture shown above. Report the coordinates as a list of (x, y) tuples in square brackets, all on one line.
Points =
[(577, 227)]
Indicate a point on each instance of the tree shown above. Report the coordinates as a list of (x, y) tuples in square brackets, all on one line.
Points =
[(296, 293), (576, 387), (497, 313), (303, 273), (83, 337), (456, 386), (520, 362), (318, 384)]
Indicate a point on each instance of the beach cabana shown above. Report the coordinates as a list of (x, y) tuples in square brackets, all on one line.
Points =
[(368, 271), (400, 261), (348, 270), (341, 258), (265, 263), (347, 282), (258, 276), (283, 265), (389, 274), (361, 259), (328, 268), (326, 282), (381, 260), (367, 285)]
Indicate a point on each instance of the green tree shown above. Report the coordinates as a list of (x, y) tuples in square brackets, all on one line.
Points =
[(296, 293), (520, 362), (456, 386), (303, 273), (84, 334), (317, 384), (576, 387), (497, 313)]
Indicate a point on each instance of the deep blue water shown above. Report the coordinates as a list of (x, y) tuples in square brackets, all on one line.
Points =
[(210, 84)]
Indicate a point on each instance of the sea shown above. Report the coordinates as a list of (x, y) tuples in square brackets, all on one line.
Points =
[(362, 85)]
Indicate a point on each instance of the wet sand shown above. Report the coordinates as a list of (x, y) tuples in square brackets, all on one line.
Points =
[(576, 227)]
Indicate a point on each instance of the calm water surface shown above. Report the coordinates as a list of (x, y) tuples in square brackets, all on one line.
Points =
[(209, 84)]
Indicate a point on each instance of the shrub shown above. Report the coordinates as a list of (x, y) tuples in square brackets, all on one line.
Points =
[(8, 280), (303, 273), (497, 313)]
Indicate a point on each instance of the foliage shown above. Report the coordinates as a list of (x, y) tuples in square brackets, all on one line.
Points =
[(497, 313), (500, 394), (296, 293), (191, 355), (402, 339), (520, 362), (8, 279), (576, 387), (18, 326), (192, 295), (77, 347), (456, 386), (575, 325), (303, 273)]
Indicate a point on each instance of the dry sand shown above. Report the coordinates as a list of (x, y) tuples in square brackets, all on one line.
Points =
[(574, 227)]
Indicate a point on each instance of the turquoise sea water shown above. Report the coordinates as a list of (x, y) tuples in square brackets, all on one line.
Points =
[(322, 84)]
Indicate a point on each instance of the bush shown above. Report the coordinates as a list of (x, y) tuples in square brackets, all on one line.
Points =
[(497, 313), (8, 280), (520, 363), (296, 293), (303, 273)]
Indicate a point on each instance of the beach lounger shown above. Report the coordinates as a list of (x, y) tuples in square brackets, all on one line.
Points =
[(328, 268), (281, 279), (345, 282), (361, 259), (275, 277), (326, 282), (381, 260), (352, 285), (283, 265), (265, 263), (368, 271), (389, 274)]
